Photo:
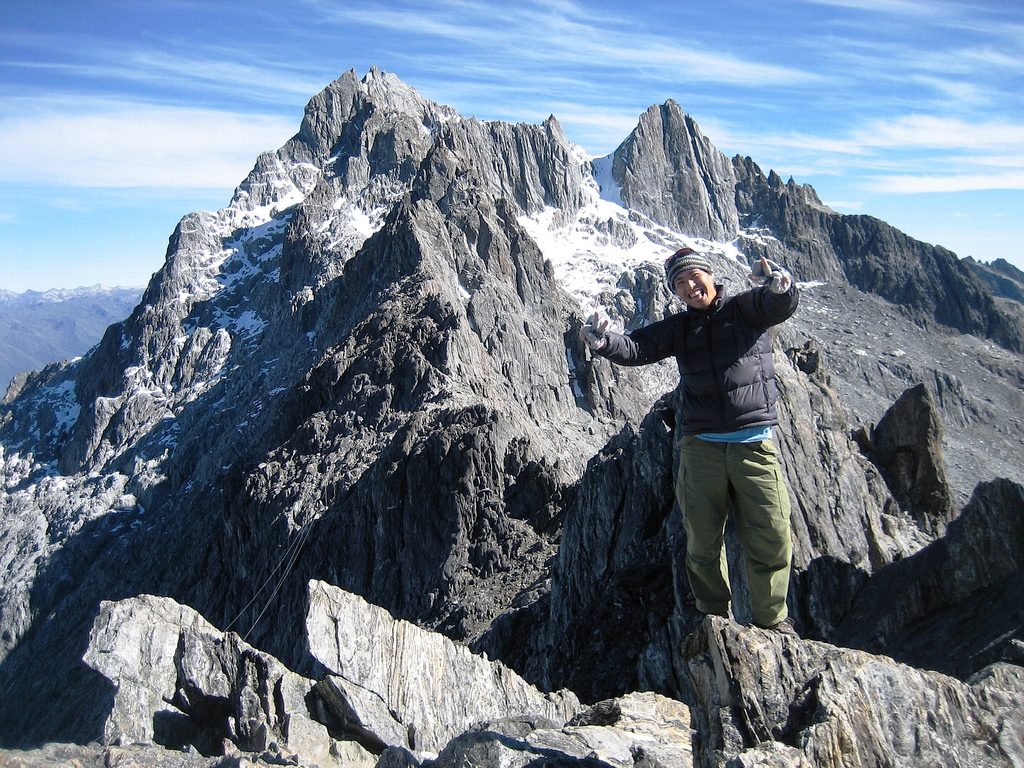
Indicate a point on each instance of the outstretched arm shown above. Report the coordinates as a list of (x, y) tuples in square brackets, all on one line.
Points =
[(777, 299), (640, 347)]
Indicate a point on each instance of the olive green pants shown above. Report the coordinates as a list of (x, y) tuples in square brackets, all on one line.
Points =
[(747, 474)]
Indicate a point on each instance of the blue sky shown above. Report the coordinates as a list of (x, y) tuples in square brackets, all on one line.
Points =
[(119, 117)]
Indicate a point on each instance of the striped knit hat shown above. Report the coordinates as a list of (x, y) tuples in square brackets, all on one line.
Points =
[(682, 260)]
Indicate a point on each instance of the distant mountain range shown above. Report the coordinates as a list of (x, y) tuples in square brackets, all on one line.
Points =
[(40, 327)]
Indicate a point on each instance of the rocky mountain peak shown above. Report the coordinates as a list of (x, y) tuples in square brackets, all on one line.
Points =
[(365, 373), (670, 172)]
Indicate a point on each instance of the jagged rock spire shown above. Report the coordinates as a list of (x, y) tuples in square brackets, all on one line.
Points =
[(669, 171)]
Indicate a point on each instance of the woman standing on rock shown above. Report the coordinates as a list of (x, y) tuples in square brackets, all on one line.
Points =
[(723, 347)]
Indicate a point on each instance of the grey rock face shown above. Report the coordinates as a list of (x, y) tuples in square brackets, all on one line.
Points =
[(766, 699), (907, 446), (180, 682), (265, 342), (1004, 279), (639, 729), (435, 688), (959, 592), (669, 171), (787, 222), (96, 756), (612, 590), (870, 354), (389, 685), (412, 697)]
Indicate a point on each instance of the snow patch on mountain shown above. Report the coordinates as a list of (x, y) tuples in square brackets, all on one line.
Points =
[(66, 409), (609, 188), (591, 249)]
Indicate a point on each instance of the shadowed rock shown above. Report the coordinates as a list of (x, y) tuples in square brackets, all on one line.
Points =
[(907, 447), (955, 606)]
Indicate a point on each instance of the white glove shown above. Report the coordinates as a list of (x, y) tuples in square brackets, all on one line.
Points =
[(594, 329), (774, 275)]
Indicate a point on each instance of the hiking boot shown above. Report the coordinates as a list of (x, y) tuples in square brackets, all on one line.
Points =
[(696, 619), (784, 627)]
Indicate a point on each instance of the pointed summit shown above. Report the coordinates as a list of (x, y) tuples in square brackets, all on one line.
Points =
[(669, 171)]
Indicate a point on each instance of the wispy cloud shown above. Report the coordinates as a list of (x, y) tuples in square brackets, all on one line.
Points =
[(191, 72), (932, 132), (969, 182), (565, 34), (887, 7), (900, 155), (126, 145)]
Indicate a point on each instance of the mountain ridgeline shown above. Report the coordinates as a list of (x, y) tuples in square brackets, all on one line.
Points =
[(365, 372)]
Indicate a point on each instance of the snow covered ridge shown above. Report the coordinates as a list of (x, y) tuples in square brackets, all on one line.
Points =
[(592, 248), (345, 200), (226, 258)]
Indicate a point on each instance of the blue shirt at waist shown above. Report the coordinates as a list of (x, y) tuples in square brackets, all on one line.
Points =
[(748, 435)]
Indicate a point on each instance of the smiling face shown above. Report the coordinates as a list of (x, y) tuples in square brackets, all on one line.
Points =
[(696, 287)]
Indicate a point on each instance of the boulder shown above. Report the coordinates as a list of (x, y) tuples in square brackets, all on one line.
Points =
[(391, 686), (181, 683), (767, 699), (907, 447), (435, 688), (639, 729)]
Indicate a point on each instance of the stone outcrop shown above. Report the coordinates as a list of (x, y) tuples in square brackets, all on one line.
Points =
[(432, 688), (767, 699), (669, 171), (308, 410), (390, 693), (612, 581), (907, 446), (869, 354), (786, 222), (179, 682), (133, 756)]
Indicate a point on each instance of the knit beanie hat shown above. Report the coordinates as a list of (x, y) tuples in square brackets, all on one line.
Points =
[(682, 260)]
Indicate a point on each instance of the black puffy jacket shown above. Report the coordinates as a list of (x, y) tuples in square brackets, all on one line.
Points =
[(727, 373)]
